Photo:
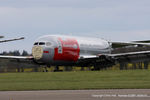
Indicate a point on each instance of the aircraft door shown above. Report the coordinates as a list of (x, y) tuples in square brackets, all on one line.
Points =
[(59, 47)]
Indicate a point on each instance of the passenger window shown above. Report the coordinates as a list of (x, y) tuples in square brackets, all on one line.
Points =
[(42, 43), (36, 43)]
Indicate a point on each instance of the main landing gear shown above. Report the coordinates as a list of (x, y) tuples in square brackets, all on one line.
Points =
[(45, 69), (57, 69)]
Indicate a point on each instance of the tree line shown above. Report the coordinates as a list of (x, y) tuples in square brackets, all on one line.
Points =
[(12, 65), (15, 53)]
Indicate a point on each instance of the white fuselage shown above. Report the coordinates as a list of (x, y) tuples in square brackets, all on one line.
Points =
[(54, 49)]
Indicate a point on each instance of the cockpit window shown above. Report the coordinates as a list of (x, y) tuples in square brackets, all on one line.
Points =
[(42, 43), (48, 44), (36, 43)]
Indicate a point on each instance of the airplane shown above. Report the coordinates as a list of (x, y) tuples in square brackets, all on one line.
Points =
[(61, 50)]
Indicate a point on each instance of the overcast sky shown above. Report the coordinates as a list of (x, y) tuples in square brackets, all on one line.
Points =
[(115, 20)]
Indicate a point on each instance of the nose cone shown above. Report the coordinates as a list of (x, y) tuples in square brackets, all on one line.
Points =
[(37, 52)]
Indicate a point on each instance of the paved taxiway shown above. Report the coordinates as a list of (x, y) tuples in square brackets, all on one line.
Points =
[(117, 94)]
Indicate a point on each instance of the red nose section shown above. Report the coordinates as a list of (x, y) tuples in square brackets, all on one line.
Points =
[(70, 50)]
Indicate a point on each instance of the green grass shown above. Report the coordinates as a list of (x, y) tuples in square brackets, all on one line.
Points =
[(133, 79)]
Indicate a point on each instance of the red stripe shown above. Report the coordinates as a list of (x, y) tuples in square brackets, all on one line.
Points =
[(70, 50), (46, 51)]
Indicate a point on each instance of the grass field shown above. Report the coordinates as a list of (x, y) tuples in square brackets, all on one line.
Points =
[(139, 79)]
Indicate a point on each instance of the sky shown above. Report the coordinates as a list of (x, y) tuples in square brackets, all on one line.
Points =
[(114, 20)]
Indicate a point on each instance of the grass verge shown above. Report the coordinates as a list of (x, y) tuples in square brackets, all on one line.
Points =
[(132, 79)]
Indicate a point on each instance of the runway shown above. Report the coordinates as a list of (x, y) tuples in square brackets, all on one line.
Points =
[(117, 94)]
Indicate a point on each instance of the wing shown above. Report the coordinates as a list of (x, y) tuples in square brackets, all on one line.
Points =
[(15, 39), (123, 44), (119, 44), (112, 59), (17, 57), (20, 59), (144, 41)]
